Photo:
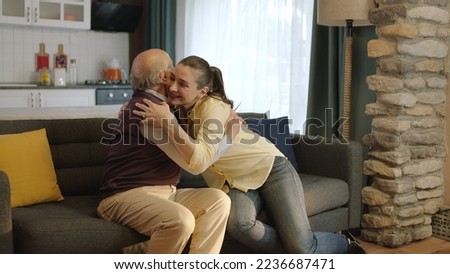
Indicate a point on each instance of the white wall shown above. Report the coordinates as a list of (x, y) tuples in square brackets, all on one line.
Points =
[(18, 45)]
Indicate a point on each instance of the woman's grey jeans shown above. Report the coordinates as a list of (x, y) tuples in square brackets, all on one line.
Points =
[(283, 198)]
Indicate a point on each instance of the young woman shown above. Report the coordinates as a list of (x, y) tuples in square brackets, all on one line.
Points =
[(253, 172)]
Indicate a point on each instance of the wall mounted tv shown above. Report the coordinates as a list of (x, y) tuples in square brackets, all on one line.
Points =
[(114, 17)]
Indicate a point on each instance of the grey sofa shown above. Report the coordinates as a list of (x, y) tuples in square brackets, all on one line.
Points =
[(331, 173)]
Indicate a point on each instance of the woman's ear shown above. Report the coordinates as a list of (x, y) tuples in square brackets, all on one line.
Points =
[(203, 92)]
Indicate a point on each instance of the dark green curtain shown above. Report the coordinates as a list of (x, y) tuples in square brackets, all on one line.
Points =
[(326, 86), (160, 25)]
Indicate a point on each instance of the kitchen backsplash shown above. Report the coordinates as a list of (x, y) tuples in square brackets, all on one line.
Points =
[(19, 44)]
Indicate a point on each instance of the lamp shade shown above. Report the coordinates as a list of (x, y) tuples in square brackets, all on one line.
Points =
[(336, 12)]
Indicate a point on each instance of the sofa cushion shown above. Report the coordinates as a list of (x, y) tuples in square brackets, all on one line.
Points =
[(275, 130), (70, 226), (189, 180), (323, 193), (78, 149), (27, 160)]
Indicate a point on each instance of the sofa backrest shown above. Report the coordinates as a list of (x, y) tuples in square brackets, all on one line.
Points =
[(78, 155)]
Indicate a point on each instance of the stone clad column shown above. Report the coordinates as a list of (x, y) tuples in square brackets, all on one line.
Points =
[(408, 139)]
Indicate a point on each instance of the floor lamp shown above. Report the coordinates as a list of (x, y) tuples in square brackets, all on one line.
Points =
[(349, 14)]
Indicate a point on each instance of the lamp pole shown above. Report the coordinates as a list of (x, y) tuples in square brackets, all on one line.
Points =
[(348, 79), (349, 14)]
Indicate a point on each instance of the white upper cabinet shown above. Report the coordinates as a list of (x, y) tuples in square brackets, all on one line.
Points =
[(74, 14)]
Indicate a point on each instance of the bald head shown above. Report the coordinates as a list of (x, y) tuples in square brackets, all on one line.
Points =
[(147, 68)]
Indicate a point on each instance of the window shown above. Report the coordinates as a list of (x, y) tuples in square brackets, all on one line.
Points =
[(261, 46)]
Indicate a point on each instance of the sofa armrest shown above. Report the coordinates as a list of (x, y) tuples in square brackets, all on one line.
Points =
[(6, 239), (336, 159)]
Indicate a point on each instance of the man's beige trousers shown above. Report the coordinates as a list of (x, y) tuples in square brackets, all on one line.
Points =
[(171, 216)]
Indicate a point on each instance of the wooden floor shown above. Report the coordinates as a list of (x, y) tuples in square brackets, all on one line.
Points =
[(431, 245)]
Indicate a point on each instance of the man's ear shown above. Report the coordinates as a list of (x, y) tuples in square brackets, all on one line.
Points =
[(163, 76), (167, 77)]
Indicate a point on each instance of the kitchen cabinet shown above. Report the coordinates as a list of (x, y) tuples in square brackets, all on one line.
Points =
[(37, 98), (75, 14)]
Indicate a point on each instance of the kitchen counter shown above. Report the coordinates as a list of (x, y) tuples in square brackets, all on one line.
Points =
[(105, 111), (79, 86), (14, 95)]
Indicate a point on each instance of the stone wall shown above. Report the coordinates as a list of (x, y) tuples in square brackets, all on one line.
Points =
[(408, 140)]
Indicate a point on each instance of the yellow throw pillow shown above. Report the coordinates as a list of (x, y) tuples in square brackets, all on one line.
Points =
[(26, 159)]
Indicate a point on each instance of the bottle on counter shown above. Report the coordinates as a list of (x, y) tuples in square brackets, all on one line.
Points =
[(42, 58), (61, 58), (60, 76), (44, 77), (73, 77)]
